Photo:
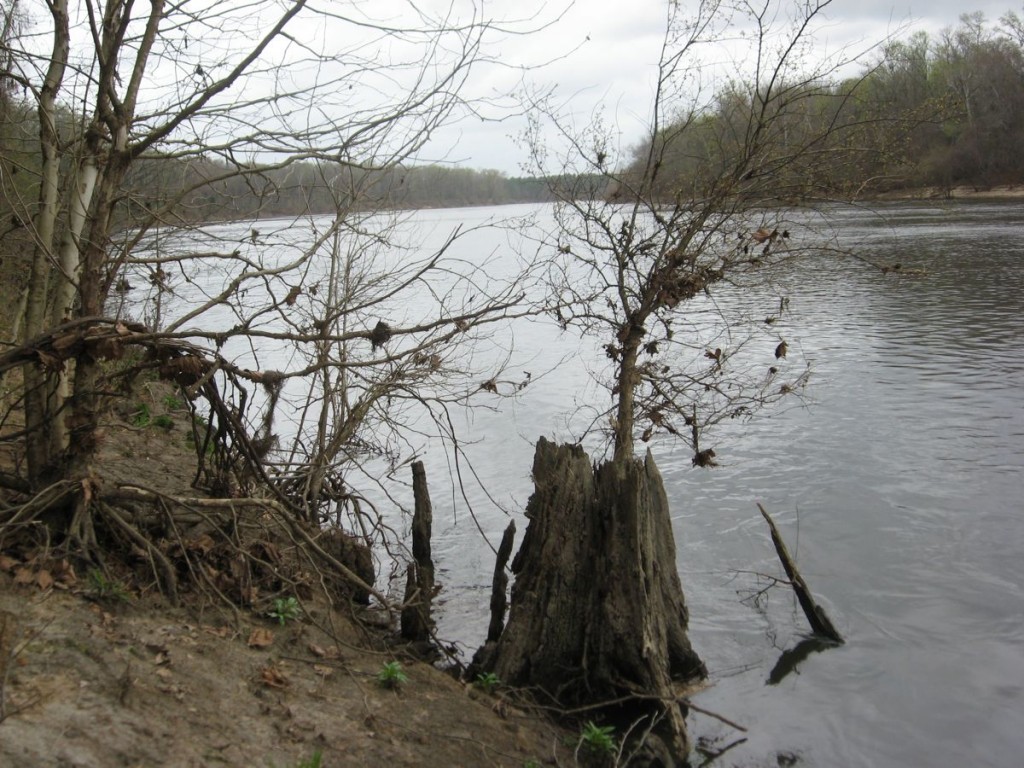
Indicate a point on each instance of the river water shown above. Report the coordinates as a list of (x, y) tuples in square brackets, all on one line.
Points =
[(902, 485), (896, 480), (899, 485)]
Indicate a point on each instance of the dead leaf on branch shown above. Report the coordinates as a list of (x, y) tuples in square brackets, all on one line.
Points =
[(49, 361)]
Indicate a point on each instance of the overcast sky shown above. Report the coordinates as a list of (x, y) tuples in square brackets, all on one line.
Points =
[(610, 50)]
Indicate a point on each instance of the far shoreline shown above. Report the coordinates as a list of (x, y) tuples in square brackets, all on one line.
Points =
[(1000, 192)]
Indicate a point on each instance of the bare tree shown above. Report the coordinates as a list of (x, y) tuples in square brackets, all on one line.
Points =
[(642, 246), (154, 119)]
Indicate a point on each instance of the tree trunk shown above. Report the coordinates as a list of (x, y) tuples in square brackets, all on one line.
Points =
[(41, 408), (597, 610)]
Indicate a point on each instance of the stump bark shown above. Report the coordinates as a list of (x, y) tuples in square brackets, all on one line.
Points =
[(597, 609), (416, 621)]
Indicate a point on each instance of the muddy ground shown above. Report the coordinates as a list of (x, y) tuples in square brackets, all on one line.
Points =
[(101, 681), (96, 670)]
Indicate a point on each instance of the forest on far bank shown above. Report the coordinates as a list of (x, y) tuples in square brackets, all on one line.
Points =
[(939, 112), (926, 111)]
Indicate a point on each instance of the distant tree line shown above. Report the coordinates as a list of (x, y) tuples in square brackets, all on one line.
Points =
[(941, 111), (315, 186), (213, 187)]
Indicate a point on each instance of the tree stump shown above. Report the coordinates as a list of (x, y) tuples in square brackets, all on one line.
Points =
[(597, 609), (416, 621)]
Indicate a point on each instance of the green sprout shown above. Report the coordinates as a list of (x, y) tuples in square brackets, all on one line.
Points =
[(141, 417), (285, 609), (598, 739), (487, 682), (391, 675), (105, 589)]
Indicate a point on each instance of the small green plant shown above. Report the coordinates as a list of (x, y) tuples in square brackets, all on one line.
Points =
[(163, 421), (141, 416), (311, 762), (487, 682), (285, 609), (531, 763), (106, 589), (391, 675), (598, 739), (172, 403)]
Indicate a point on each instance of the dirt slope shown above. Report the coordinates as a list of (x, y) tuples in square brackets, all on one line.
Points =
[(112, 684)]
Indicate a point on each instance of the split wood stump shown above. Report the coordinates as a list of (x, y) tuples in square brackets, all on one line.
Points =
[(597, 609)]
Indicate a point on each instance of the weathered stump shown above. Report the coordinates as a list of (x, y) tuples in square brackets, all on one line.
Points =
[(416, 621), (597, 610)]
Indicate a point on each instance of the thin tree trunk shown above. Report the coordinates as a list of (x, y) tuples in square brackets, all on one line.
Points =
[(40, 403), (625, 412)]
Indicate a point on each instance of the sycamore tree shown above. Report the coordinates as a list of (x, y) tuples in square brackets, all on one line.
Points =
[(149, 120)]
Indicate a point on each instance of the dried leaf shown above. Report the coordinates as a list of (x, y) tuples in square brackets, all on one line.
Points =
[(66, 573), (273, 677), (7, 563), (323, 671), (324, 653), (202, 543), (23, 575), (49, 361), (316, 650), (44, 579), (65, 342), (261, 637)]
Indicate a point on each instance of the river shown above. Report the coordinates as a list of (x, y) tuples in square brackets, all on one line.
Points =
[(899, 485), (897, 481)]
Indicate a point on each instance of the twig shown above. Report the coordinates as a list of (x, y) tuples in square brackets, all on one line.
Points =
[(712, 756), (709, 713)]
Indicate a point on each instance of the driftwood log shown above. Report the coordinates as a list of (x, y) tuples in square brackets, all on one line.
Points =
[(816, 616), (597, 609)]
